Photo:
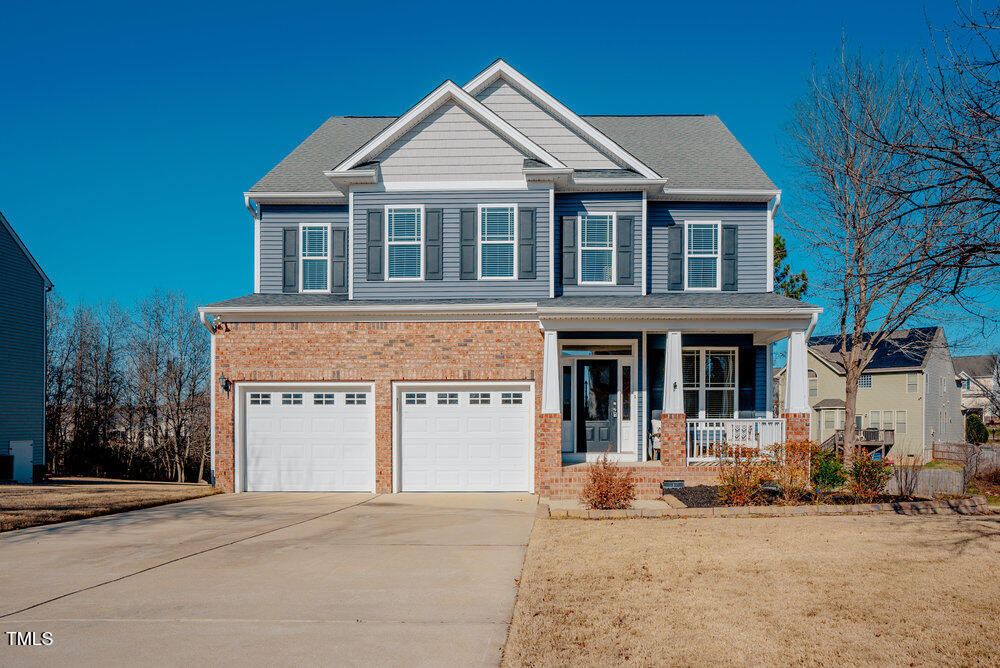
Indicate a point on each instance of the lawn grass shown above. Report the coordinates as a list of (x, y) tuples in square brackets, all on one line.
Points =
[(948, 466), (768, 591), (64, 499)]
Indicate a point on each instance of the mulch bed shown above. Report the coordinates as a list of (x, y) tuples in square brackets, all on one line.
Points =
[(706, 496)]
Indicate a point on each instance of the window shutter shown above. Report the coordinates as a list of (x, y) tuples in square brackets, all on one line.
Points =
[(675, 257), (729, 258), (468, 240), (338, 262), (433, 245), (569, 250), (626, 250), (376, 232), (290, 259), (526, 247)]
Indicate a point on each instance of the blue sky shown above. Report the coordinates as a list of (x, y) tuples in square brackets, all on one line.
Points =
[(131, 130)]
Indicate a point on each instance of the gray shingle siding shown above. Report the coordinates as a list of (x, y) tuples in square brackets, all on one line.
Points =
[(751, 218), (623, 204), (272, 219), (451, 286), (22, 347), (942, 400)]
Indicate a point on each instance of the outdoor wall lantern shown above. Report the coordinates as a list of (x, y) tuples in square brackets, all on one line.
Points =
[(224, 383)]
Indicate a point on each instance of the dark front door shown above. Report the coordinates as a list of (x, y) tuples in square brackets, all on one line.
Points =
[(597, 394)]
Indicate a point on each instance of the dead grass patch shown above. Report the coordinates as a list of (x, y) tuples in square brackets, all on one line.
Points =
[(799, 590), (65, 499)]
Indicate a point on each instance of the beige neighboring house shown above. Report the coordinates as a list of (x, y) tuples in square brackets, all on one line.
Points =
[(978, 378), (907, 397)]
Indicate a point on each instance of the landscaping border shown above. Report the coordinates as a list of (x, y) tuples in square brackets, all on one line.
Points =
[(975, 505)]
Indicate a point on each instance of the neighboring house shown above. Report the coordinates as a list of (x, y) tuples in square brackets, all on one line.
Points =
[(978, 378), (22, 349), (489, 291), (907, 398)]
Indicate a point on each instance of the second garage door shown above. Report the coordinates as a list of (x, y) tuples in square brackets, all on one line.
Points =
[(465, 438)]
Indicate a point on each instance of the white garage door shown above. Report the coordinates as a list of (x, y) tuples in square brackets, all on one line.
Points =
[(309, 439), (462, 438)]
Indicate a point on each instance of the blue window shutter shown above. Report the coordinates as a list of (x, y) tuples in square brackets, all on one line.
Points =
[(730, 266), (290, 259), (338, 262), (569, 250), (526, 244), (433, 245), (626, 250), (675, 258), (376, 232), (468, 245)]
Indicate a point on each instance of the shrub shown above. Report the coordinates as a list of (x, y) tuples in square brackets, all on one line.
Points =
[(788, 469), (907, 475), (609, 486), (741, 476), (827, 470), (975, 430), (868, 476)]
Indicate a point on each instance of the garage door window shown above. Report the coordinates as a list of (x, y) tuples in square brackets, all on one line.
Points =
[(479, 398), (291, 399), (447, 398), (511, 398), (323, 399), (416, 398), (260, 399), (356, 398)]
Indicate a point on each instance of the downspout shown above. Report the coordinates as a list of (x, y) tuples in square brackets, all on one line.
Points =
[(210, 326)]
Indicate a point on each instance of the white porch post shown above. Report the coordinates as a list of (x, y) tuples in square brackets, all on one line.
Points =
[(550, 374), (673, 380), (797, 375)]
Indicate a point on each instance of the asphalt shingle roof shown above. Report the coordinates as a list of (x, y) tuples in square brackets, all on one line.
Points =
[(689, 151), (906, 349), (976, 366)]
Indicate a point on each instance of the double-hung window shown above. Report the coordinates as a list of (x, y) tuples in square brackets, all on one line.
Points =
[(597, 248), (709, 382), (497, 235), (701, 256), (404, 248), (315, 258)]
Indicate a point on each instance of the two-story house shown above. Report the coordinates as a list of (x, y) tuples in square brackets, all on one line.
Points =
[(23, 288), (489, 291), (978, 378), (907, 398)]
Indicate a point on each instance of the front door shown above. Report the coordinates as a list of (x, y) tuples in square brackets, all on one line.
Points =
[(597, 397)]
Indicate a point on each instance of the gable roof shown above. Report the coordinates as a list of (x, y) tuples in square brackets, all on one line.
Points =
[(975, 366), (27, 253), (905, 349), (691, 152)]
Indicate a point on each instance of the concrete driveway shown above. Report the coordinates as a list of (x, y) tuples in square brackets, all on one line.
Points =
[(271, 579)]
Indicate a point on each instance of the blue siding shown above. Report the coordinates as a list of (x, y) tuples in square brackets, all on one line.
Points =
[(272, 219), (22, 348), (452, 287), (624, 204), (751, 238)]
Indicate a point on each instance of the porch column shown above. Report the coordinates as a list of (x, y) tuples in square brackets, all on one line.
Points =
[(797, 413), (548, 422), (550, 374), (673, 425)]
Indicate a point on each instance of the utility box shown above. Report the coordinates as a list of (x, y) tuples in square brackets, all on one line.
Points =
[(24, 461)]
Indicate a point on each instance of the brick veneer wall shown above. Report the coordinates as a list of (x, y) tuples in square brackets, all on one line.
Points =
[(379, 353), (796, 427)]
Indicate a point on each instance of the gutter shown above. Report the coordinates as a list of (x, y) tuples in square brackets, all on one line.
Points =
[(203, 316)]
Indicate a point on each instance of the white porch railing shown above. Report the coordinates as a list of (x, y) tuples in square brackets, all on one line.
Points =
[(706, 439)]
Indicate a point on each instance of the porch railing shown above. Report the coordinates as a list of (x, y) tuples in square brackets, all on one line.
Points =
[(708, 439)]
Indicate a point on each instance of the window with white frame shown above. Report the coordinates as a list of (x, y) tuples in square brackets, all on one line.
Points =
[(415, 398), (260, 399), (448, 398), (701, 256), (511, 398), (324, 399), (865, 381), (315, 258), (497, 232), (479, 398), (597, 248), (828, 417), (900, 422), (912, 382), (813, 383), (355, 398), (404, 248), (709, 382), (875, 419), (291, 399)]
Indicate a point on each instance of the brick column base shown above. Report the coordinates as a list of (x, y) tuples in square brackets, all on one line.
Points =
[(796, 427), (548, 451), (673, 439)]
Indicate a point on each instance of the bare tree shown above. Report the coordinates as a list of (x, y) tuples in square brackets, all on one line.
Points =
[(869, 238)]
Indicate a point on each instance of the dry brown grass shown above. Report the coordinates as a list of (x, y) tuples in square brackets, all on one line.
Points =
[(781, 591), (64, 499)]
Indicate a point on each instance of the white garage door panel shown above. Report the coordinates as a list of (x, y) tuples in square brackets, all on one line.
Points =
[(309, 447), (465, 446)]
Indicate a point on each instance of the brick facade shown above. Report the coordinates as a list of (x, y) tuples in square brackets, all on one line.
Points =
[(796, 427)]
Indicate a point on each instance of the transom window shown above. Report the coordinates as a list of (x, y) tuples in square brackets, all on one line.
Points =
[(291, 399), (497, 230), (315, 258), (416, 398), (597, 248), (511, 398), (479, 398), (865, 381), (702, 256), (355, 398), (323, 399), (404, 242), (447, 398), (260, 399), (709, 382)]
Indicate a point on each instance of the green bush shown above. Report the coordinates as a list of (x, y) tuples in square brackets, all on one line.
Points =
[(827, 470), (868, 476), (975, 430)]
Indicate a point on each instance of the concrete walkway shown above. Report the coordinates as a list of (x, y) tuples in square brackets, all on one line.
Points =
[(415, 579)]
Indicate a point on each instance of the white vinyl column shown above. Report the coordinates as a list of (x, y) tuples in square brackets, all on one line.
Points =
[(550, 374), (673, 378), (797, 375)]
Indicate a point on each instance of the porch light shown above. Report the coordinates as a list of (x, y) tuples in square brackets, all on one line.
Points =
[(224, 383)]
